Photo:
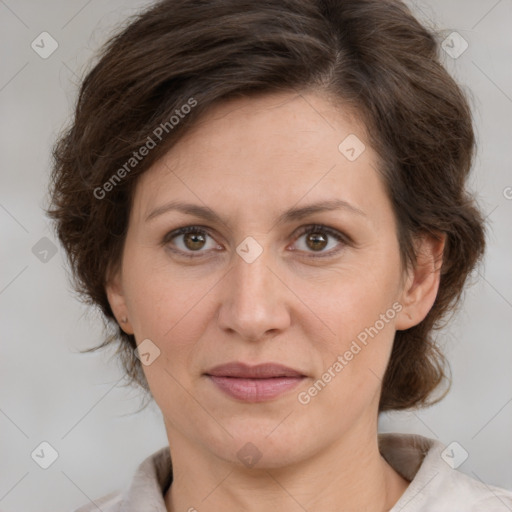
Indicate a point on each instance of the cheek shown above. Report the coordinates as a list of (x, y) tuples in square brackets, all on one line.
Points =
[(172, 311), (158, 299), (354, 360), (359, 306), (363, 326), (354, 298)]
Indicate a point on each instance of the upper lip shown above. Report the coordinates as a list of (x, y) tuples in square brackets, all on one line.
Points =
[(260, 371)]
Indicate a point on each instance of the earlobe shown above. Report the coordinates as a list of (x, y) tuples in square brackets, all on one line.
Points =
[(116, 299), (422, 284)]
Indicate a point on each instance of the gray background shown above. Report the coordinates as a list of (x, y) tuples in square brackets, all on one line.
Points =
[(50, 392)]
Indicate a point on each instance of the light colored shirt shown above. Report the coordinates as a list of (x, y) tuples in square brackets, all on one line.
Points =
[(434, 485)]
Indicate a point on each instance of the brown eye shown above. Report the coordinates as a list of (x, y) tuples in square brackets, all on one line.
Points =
[(194, 241), (190, 241), (316, 241)]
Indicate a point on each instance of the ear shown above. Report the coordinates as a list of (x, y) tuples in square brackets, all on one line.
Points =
[(422, 283), (117, 301)]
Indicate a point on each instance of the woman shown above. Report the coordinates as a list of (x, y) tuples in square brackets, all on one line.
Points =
[(267, 199)]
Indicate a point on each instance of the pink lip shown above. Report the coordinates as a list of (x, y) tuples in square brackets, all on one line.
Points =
[(254, 383), (255, 390)]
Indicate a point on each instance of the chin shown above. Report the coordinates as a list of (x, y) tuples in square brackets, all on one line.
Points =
[(263, 444)]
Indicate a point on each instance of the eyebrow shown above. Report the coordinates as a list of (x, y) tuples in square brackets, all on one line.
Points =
[(293, 214)]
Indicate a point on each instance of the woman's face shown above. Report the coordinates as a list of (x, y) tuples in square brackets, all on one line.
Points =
[(254, 281)]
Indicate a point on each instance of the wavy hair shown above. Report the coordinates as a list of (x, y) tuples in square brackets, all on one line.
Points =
[(372, 55)]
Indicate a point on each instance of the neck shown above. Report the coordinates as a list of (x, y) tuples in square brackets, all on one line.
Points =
[(350, 475)]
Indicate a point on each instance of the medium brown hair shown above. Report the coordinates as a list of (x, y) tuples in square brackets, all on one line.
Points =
[(372, 55)]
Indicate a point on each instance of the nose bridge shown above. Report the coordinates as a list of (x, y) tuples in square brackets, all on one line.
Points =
[(254, 301), (252, 280)]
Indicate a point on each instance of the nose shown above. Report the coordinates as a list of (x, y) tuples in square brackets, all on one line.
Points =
[(254, 302)]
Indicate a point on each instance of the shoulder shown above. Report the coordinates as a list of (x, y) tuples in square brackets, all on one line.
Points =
[(478, 495), (434, 483), (458, 489), (146, 488)]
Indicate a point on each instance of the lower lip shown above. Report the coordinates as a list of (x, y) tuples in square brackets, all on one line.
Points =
[(255, 390)]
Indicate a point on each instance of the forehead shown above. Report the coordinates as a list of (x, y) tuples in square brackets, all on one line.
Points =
[(266, 150), (295, 123)]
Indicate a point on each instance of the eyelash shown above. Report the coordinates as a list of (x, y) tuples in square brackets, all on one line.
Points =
[(313, 228)]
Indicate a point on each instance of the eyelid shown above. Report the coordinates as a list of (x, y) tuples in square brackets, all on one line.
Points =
[(189, 228), (332, 232), (309, 228), (186, 229)]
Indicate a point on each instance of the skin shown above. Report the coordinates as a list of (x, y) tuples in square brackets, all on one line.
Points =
[(248, 161)]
